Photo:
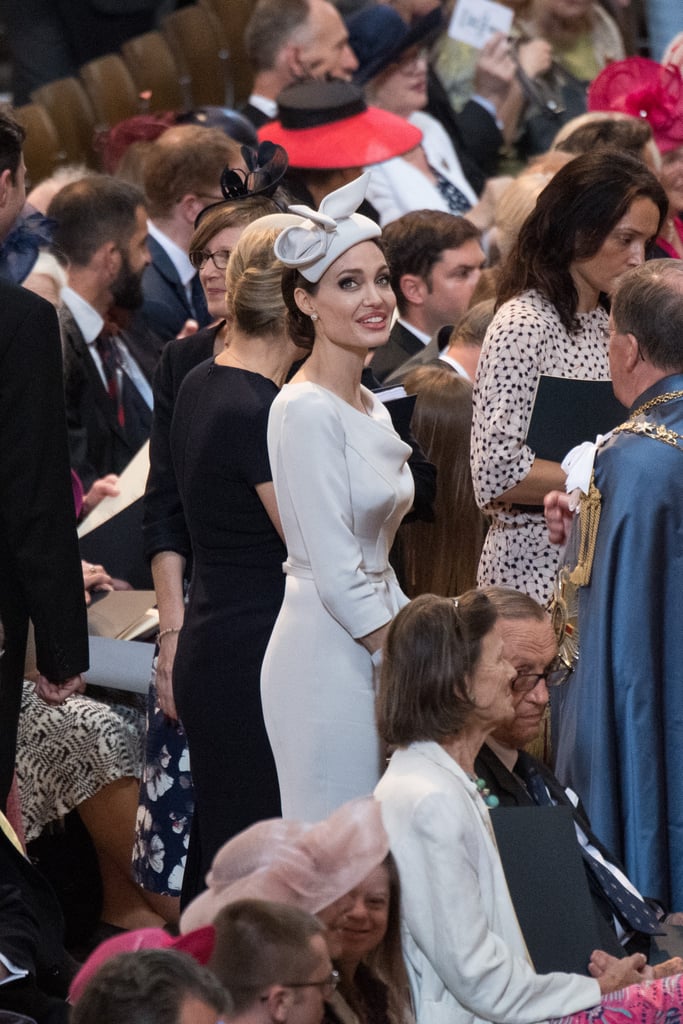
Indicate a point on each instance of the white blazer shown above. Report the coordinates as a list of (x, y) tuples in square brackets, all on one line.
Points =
[(397, 187), (465, 953)]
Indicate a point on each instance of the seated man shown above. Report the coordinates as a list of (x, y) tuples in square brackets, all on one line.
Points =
[(158, 986), (273, 960), (520, 780), (35, 969)]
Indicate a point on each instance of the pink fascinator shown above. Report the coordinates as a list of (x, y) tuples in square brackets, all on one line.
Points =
[(327, 233), (643, 88), (292, 862)]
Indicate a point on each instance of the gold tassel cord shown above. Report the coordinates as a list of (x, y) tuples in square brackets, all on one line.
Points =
[(589, 521)]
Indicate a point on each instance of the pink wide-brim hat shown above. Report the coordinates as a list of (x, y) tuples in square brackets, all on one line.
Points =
[(301, 865)]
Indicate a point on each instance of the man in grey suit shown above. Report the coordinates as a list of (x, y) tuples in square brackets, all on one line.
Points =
[(435, 260)]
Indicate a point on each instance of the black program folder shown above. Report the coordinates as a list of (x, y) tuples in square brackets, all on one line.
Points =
[(567, 412), (547, 882)]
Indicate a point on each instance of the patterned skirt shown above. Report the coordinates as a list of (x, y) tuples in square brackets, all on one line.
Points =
[(67, 754), (162, 829)]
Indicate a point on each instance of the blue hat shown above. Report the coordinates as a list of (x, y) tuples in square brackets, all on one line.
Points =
[(379, 37)]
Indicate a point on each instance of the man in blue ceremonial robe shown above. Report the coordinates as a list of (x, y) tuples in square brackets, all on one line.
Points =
[(619, 721)]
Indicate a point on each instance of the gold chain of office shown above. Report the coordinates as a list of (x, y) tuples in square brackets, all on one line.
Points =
[(657, 431)]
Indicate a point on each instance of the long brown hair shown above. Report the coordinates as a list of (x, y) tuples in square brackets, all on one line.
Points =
[(441, 557), (573, 216)]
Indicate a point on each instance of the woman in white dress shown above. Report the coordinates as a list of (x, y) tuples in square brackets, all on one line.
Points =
[(342, 485)]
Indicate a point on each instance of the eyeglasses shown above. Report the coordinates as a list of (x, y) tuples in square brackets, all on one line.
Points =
[(557, 673), (327, 986), (219, 258)]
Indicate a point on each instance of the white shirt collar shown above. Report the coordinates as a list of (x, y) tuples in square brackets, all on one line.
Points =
[(420, 335), (264, 104), (458, 367), (88, 320), (177, 256)]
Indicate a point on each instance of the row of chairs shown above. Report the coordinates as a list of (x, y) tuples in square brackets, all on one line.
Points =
[(195, 60)]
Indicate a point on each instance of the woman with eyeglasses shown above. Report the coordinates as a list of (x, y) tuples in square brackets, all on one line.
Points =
[(591, 223), (393, 64), (446, 686)]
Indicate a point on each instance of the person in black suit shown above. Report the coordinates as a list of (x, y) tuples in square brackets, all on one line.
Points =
[(35, 968), (182, 177), (290, 41), (435, 261), (40, 570), (102, 231), (520, 780)]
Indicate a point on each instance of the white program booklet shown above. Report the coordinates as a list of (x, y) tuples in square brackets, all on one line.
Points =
[(475, 21)]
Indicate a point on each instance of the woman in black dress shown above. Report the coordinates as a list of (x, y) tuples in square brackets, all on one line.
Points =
[(166, 796), (218, 445)]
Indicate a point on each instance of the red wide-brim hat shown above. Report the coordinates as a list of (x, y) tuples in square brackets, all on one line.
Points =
[(643, 88), (328, 126)]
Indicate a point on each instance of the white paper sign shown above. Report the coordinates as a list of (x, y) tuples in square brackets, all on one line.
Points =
[(475, 21)]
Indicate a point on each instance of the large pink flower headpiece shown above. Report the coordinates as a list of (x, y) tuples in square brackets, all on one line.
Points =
[(643, 88)]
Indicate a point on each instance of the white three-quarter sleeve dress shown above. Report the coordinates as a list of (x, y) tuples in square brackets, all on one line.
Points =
[(343, 485)]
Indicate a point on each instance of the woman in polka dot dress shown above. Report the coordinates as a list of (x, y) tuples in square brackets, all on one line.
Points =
[(591, 224)]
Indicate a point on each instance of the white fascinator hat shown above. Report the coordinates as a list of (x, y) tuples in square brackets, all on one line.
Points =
[(327, 233)]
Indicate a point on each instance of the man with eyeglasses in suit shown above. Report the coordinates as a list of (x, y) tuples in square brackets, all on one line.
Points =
[(520, 780)]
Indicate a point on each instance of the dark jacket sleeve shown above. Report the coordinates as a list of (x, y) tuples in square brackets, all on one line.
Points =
[(39, 559), (163, 522)]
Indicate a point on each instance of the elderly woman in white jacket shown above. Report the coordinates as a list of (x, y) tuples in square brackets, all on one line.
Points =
[(445, 686)]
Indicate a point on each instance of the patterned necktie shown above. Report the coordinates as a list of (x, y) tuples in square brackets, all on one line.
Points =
[(633, 912), (106, 349), (458, 202)]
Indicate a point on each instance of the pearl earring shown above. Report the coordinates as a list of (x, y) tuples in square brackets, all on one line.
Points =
[(314, 316)]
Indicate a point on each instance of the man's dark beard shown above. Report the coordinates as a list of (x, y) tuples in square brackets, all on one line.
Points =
[(127, 288)]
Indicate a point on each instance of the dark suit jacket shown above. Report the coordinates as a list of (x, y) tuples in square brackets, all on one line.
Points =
[(166, 306), (402, 344), (476, 137), (256, 116), (512, 793), (97, 442), (40, 572), (32, 939), (427, 356)]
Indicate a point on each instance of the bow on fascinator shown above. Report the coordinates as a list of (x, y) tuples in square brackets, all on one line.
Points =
[(327, 233), (266, 167), (645, 89)]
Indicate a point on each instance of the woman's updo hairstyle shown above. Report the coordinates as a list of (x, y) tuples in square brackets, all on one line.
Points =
[(299, 325), (253, 284)]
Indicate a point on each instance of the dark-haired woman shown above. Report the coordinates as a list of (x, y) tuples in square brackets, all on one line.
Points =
[(445, 687), (592, 223), (343, 484)]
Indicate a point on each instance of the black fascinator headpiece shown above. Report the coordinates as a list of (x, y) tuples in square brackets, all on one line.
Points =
[(266, 167)]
